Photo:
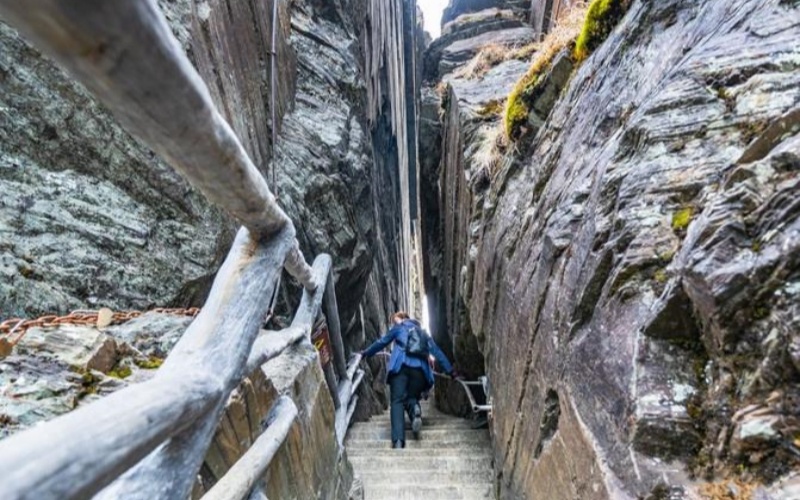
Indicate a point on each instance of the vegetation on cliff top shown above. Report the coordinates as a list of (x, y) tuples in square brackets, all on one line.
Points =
[(601, 18), (561, 37), (582, 30)]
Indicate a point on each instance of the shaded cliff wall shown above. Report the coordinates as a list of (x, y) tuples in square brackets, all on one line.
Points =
[(459, 135), (633, 286), (90, 218)]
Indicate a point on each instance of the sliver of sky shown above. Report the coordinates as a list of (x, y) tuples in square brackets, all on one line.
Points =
[(432, 12)]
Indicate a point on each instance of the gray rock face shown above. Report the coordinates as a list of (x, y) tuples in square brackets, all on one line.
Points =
[(460, 131), (54, 370), (88, 217), (635, 262), (462, 38), (458, 8)]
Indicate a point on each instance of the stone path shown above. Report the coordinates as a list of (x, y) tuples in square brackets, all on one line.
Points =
[(451, 460)]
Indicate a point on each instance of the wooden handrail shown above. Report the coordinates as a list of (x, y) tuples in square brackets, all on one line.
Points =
[(237, 483)]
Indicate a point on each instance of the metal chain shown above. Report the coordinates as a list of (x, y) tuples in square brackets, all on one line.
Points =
[(80, 317)]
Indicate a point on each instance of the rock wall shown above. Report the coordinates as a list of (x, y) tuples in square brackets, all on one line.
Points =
[(632, 278), (91, 218)]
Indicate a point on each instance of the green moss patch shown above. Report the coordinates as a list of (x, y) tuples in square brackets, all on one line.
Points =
[(523, 93), (602, 17), (150, 363), (120, 371), (682, 218)]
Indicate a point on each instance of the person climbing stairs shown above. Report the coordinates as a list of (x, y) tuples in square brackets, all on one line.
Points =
[(451, 460)]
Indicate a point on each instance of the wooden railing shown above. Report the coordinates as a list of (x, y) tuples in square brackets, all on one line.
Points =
[(149, 440)]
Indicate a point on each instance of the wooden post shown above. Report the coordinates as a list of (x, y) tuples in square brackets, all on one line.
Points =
[(271, 344), (331, 310), (218, 342), (308, 310)]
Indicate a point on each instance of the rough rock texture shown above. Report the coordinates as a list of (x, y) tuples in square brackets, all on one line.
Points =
[(459, 134), (458, 8), (463, 37), (53, 370), (88, 217), (545, 13), (91, 218), (633, 282)]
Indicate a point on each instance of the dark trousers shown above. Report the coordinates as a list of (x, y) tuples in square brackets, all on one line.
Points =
[(406, 386)]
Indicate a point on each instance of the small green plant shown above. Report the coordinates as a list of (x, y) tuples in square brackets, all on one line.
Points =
[(682, 218), (150, 363), (601, 18), (120, 371), (661, 276), (560, 37)]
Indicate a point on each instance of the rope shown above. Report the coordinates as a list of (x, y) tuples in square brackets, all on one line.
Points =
[(80, 317)]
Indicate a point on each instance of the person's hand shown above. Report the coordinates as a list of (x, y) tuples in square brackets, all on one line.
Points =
[(455, 375)]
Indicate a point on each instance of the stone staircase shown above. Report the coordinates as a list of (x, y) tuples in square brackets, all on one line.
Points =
[(450, 461)]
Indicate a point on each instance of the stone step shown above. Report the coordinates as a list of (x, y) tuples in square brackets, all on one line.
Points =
[(415, 453), (466, 443), (440, 476), (426, 422), (393, 491), (371, 463), (452, 460), (427, 433)]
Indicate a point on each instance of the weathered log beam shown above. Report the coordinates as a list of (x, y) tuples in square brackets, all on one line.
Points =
[(238, 482), (271, 344), (217, 343), (296, 266), (330, 380), (310, 303), (331, 309), (346, 395)]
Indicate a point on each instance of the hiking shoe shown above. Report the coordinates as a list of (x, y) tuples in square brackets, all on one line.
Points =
[(416, 422)]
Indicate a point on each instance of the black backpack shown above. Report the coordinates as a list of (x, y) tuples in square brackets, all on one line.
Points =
[(417, 343)]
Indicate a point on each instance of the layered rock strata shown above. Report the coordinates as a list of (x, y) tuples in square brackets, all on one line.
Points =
[(632, 278)]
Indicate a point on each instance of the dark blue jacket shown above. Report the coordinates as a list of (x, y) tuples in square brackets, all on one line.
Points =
[(399, 334)]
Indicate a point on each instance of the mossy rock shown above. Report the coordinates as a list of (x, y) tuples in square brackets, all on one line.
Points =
[(150, 363), (601, 19), (524, 93)]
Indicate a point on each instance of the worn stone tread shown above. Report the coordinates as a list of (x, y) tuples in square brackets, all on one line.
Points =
[(450, 461)]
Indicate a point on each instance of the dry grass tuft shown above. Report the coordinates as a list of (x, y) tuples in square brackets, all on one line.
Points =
[(491, 149), (729, 490), (562, 36), (487, 58)]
